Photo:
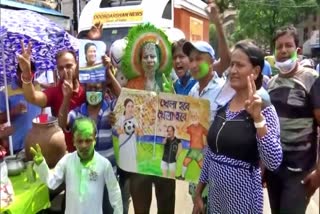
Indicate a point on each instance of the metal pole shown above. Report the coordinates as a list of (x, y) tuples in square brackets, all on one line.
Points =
[(6, 91), (76, 12)]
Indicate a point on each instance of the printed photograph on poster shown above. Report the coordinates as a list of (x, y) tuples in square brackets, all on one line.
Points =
[(162, 135), (91, 68)]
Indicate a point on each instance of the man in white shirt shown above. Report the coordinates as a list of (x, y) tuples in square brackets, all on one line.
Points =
[(210, 86), (204, 69), (85, 172)]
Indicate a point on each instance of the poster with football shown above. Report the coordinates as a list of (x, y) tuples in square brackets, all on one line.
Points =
[(161, 134)]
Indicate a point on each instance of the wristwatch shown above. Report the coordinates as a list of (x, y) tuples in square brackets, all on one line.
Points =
[(260, 124)]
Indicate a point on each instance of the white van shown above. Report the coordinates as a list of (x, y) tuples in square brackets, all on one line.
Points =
[(118, 16)]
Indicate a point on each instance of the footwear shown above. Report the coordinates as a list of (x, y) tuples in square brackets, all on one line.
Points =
[(180, 178)]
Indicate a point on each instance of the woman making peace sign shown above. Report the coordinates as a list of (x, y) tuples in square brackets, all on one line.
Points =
[(231, 164)]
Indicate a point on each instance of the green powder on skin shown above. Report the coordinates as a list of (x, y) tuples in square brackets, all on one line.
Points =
[(203, 70), (294, 55), (85, 130)]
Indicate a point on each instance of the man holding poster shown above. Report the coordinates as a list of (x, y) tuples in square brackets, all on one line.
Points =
[(206, 69)]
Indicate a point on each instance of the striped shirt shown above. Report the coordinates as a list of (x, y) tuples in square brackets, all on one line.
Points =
[(295, 99), (104, 145)]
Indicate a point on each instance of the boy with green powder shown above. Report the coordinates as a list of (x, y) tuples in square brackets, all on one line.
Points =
[(85, 172)]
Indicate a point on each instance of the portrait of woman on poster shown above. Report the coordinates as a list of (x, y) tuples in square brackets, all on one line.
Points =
[(128, 129), (91, 53)]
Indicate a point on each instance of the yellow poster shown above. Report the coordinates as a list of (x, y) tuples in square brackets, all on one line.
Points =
[(196, 29), (129, 15), (161, 134)]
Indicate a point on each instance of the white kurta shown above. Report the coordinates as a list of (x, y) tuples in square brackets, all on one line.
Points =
[(84, 185), (128, 148)]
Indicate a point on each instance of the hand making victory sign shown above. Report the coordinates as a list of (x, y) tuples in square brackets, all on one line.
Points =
[(212, 11), (95, 32), (167, 84), (253, 104), (67, 86), (37, 154), (24, 60)]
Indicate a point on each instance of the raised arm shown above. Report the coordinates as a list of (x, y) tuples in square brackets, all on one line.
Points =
[(110, 75), (35, 97), (224, 53), (267, 126), (65, 106)]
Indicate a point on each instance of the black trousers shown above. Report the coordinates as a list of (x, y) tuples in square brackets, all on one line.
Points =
[(141, 193), (286, 193)]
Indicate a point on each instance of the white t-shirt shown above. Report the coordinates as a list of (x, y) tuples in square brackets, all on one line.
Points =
[(214, 93), (84, 185)]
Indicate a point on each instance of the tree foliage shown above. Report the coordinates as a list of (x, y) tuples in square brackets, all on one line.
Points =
[(259, 19)]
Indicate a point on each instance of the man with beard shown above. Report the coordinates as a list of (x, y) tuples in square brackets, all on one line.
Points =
[(53, 97)]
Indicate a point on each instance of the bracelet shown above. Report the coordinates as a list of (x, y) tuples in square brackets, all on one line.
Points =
[(260, 124), (27, 82)]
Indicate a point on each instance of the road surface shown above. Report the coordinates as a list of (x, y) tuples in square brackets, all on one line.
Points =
[(184, 202)]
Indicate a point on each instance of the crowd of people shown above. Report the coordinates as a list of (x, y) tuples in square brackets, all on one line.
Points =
[(273, 120)]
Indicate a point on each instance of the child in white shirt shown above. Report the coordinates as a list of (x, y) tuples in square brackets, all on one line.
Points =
[(85, 172)]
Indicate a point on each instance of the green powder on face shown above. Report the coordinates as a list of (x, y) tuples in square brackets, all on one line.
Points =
[(84, 128), (203, 70), (294, 55)]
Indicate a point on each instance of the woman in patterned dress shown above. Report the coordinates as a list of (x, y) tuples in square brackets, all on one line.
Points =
[(231, 163)]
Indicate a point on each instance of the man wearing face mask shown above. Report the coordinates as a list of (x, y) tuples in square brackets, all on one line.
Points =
[(294, 92), (52, 97)]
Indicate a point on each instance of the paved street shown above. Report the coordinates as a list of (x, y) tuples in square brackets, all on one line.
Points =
[(184, 202)]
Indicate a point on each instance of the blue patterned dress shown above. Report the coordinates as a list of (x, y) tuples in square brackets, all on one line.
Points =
[(233, 188)]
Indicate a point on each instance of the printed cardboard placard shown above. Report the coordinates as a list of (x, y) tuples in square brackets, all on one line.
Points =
[(161, 134), (91, 68)]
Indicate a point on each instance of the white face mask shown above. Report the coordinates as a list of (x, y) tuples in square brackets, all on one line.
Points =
[(288, 65)]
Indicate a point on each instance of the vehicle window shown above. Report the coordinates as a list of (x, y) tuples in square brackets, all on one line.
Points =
[(117, 3), (109, 35)]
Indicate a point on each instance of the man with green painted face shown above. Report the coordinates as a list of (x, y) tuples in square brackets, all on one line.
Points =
[(85, 173), (201, 56)]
